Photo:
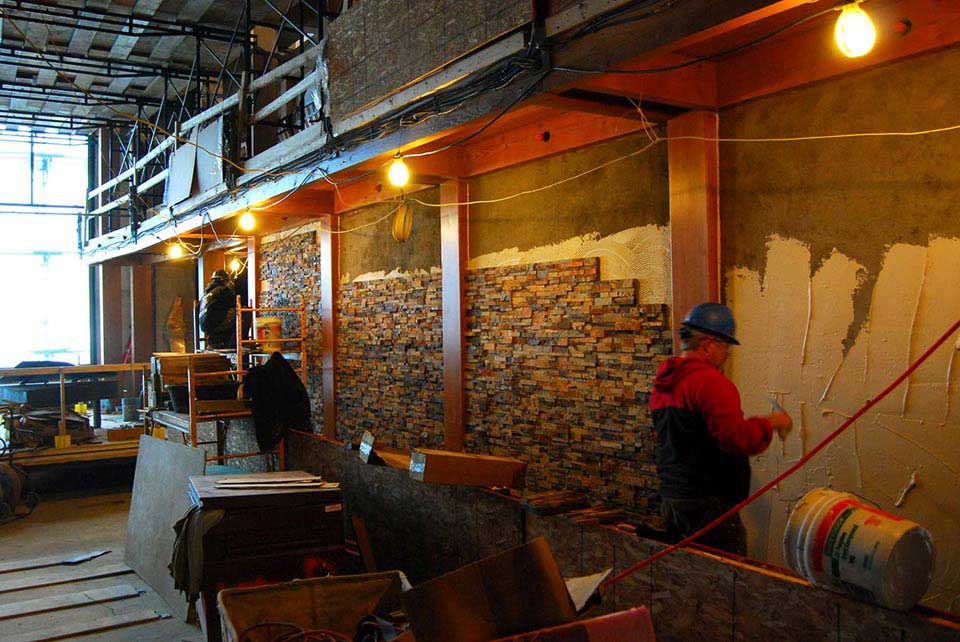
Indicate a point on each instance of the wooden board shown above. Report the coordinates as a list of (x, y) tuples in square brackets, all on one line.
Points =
[(207, 493), (124, 434), (447, 467), (68, 601), (49, 560), (83, 452), (82, 627), (51, 579), (160, 498)]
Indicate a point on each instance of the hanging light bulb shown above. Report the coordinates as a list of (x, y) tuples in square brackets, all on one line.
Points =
[(175, 250), (247, 221), (855, 33), (234, 265), (398, 173)]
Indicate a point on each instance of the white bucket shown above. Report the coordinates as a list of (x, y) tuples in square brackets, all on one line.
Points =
[(269, 328), (837, 542)]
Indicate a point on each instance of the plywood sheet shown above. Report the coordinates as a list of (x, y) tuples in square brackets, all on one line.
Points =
[(160, 498)]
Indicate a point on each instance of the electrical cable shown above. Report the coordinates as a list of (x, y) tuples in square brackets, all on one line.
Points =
[(689, 539)]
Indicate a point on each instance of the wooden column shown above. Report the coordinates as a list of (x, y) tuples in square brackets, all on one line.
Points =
[(110, 313), (694, 213), (329, 298), (253, 272), (454, 251), (141, 313)]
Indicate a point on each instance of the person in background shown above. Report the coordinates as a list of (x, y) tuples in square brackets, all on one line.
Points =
[(703, 439), (218, 312)]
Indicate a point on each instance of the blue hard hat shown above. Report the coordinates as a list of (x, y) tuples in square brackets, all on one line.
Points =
[(715, 319)]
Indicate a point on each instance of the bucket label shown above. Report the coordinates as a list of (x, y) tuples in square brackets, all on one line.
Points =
[(838, 542)]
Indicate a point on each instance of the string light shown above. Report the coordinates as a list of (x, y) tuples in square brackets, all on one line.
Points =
[(175, 251), (854, 33), (234, 265), (247, 222), (398, 173)]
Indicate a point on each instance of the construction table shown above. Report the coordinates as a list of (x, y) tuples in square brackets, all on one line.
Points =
[(266, 535)]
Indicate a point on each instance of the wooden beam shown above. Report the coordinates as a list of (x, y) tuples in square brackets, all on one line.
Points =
[(329, 300), (567, 104), (454, 255), (694, 86), (694, 213), (445, 467), (568, 131), (803, 56)]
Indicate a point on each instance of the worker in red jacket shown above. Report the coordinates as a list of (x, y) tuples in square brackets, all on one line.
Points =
[(703, 439)]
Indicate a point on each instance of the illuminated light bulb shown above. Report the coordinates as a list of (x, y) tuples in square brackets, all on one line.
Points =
[(175, 250), (235, 265), (398, 173), (247, 221), (855, 33)]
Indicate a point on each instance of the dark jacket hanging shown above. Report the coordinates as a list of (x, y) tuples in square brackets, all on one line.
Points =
[(280, 400)]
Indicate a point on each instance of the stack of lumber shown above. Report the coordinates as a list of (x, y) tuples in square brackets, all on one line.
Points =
[(171, 367), (554, 502), (593, 516)]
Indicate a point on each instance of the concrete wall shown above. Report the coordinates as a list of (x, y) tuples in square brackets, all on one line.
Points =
[(841, 260), (619, 213), (371, 252)]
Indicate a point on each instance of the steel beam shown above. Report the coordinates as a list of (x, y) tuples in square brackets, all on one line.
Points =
[(23, 56), (105, 21)]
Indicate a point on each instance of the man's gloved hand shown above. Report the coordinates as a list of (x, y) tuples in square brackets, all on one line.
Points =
[(781, 422)]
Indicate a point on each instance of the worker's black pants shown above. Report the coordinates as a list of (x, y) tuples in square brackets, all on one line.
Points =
[(685, 516)]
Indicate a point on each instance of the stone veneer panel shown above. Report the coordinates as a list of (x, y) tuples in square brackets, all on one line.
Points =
[(559, 369), (290, 268), (390, 361)]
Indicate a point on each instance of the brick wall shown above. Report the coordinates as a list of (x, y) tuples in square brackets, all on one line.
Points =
[(377, 46), (559, 368), (390, 361)]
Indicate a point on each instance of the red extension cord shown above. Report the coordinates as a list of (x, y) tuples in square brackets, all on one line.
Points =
[(797, 466)]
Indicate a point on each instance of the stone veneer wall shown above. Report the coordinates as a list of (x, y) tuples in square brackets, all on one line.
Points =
[(559, 369), (559, 366), (290, 268), (390, 361)]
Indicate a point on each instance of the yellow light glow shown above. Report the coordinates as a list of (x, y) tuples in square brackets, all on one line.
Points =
[(234, 265), (855, 33), (247, 221), (398, 173), (175, 250)]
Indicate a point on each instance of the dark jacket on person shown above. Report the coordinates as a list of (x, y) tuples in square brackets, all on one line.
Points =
[(280, 400), (703, 439), (218, 312)]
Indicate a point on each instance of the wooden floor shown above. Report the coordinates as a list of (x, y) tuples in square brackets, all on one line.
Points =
[(67, 527)]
